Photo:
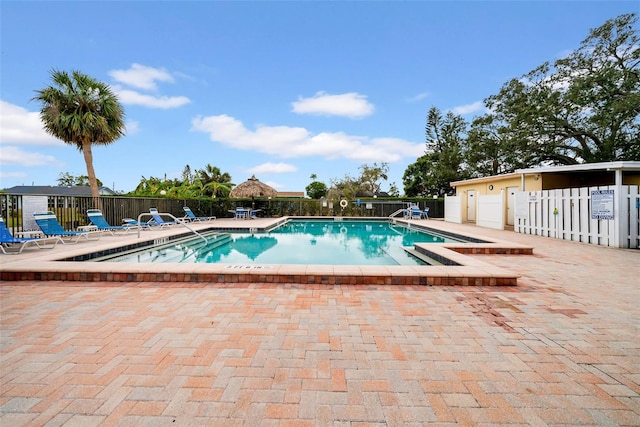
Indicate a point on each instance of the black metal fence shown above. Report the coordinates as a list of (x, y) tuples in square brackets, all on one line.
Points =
[(72, 211)]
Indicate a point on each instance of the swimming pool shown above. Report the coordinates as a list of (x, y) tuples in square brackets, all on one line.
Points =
[(297, 242)]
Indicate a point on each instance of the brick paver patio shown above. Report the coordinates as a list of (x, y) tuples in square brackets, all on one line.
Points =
[(560, 349)]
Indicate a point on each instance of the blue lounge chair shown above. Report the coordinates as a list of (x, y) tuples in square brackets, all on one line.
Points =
[(192, 217), (157, 219), (48, 223), (97, 219), (18, 244), (130, 222)]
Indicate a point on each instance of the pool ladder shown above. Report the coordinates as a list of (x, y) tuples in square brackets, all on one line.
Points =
[(179, 221)]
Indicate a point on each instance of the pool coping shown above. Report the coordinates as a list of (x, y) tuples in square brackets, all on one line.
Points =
[(44, 265)]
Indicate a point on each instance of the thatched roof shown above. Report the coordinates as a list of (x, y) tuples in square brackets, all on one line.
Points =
[(253, 188)]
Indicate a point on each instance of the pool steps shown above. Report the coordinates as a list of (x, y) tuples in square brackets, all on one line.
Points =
[(170, 251)]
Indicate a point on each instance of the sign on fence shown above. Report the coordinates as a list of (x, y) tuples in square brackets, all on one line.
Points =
[(607, 216), (602, 204)]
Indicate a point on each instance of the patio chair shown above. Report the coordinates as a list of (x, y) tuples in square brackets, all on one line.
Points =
[(48, 223), (415, 212), (157, 219), (18, 244), (97, 219), (426, 213), (254, 213), (242, 213), (190, 216)]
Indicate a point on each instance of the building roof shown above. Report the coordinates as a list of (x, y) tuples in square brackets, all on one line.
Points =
[(610, 166), (485, 179), (584, 167), (290, 193), (50, 190)]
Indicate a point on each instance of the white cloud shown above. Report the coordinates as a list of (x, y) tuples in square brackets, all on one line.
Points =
[(131, 97), (469, 108), (142, 77), (4, 174), (132, 127), (20, 126), (291, 142), (419, 97), (274, 185), (10, 155), (351, 105), (273, 168)]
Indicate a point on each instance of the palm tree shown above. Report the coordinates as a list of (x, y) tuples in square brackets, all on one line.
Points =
[(81, 111), (214, 182)]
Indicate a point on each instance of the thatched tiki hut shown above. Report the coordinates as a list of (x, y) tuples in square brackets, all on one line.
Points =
[(253, 188)]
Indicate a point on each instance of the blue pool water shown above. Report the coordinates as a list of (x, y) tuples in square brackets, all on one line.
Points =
[(298, 242)]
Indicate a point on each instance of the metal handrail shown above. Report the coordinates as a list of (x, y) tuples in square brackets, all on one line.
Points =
[(177, 221), (397, 212)]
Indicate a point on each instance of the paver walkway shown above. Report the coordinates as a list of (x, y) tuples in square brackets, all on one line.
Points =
[(561, 349)]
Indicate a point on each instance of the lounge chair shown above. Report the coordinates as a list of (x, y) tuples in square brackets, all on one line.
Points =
[(18, 244), (193, 218), (48, 223), (130, 222), (157, 219), (426, 213), (97, 219)]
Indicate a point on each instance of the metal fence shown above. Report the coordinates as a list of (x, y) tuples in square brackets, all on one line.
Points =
[(72, 211)]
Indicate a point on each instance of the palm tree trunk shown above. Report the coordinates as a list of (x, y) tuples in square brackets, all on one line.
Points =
[(91, 173)]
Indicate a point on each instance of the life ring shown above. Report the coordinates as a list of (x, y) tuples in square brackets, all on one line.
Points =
[(343, 203)]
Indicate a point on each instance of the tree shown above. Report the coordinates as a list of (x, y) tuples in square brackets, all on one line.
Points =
[(81, 111), (393, 190), (415, 179), (214, 182), (344, 187), (316, 190), (65, 179), (207, 182), (585, 107), (443, 161), (492, 149), (371, 175)]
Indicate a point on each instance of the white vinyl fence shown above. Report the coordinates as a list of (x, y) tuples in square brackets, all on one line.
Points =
[(491, 211), (606, 216), (453, 209)]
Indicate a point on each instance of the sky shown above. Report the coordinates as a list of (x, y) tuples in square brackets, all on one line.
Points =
[(276, 89)]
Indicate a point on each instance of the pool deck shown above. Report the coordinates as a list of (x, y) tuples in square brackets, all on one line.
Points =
[(469, 271), (561, 348)]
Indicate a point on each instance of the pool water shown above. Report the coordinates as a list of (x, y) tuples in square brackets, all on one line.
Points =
[(298, 242)]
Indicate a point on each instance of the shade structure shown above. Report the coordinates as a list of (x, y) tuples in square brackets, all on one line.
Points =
[(253, 188)]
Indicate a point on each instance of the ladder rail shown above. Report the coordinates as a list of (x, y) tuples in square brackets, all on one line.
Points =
[(179, 221)]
